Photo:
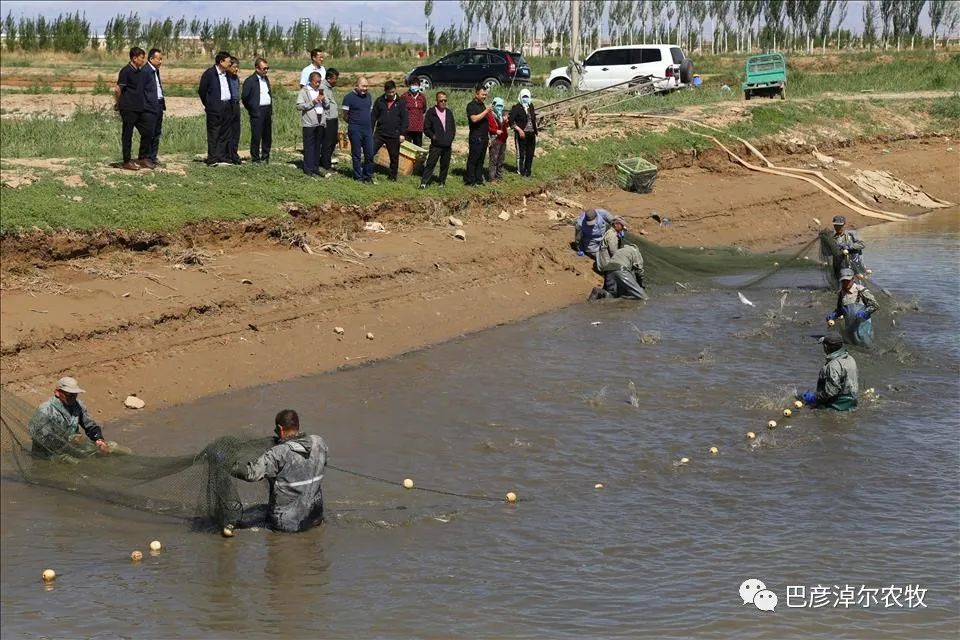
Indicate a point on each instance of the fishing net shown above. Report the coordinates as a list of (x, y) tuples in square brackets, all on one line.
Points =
[(665, 265), (197, 487)]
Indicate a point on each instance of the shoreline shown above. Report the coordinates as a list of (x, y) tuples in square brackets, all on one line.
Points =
[(133, 323)]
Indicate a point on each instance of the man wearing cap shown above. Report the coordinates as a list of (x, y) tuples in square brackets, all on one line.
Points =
[(588, 231), (610, 242), (837, 385), (855, 304), (850, 244), (623, 274), (55, 426)]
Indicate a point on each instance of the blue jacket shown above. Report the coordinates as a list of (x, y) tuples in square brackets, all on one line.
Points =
[(209, 90), (130, 81), (358, 109)]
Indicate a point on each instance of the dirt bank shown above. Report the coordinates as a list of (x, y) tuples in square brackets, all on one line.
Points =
[(257, 310)]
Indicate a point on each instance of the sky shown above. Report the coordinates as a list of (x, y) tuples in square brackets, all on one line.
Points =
[(399, 18)]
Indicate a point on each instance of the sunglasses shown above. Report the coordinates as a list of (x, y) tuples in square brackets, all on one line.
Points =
[(444, 100), (264, 68)]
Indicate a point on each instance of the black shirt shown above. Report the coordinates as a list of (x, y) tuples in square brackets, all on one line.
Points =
[(478, 130), (130, 81)]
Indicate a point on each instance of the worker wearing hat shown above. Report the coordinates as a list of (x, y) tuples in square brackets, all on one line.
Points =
[(855, 304), (588, 231), (837, 384), (849, 244), (610, 242), (55, 426)]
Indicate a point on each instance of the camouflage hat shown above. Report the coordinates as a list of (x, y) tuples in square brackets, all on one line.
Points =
[(847, 274), (839, 220)]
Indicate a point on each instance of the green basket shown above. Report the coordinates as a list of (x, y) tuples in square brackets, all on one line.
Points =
[(636, 174)]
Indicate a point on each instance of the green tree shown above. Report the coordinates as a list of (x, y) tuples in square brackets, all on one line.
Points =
[(427, 12), (10, 28)]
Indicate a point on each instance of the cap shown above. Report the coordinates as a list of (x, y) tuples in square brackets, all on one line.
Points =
[(839, 220), (621, 221), (847, 274), (831, 342), (69, 385)]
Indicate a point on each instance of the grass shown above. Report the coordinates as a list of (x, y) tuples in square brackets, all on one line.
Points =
[(167, 201)]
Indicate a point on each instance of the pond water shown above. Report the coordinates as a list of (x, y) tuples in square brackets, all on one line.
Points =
[(868, 499)]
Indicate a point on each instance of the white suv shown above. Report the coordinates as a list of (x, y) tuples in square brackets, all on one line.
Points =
[(665, 64)]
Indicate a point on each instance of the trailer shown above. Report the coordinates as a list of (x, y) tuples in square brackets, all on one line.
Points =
[(578, 107)]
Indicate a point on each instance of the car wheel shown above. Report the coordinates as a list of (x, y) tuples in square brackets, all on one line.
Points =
[(425, 83), (560, 84), (783, 93), (746, 95), (490, 83)]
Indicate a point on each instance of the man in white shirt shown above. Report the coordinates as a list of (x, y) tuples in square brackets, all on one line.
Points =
[(153, 99), (214, 93), (316, 65), (258, 102)]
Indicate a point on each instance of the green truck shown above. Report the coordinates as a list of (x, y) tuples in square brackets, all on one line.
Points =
[(765, 74)]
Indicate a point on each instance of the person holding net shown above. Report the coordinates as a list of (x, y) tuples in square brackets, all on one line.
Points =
[(838, 384), (622, 275), (850, 245), (56, 424), (294, 468), (855, 305)]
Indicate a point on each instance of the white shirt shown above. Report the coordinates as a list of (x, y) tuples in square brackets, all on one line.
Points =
[(307, 70), (264, 91), (313, 93), (156, 74), (224, 86)]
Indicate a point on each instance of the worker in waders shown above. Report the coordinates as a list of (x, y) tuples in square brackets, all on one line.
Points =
[(850, 247), (837, 385), (855, 305)]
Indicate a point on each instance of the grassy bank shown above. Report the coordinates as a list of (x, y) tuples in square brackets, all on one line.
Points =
[(188, 191)]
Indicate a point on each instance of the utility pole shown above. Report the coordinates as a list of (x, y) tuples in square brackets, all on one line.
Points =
[(361, 38), (575, 43)]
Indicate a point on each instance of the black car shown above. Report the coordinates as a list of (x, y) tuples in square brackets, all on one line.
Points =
[(469, 67)]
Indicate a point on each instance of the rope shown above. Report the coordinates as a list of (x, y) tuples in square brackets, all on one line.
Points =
[(367, 476)]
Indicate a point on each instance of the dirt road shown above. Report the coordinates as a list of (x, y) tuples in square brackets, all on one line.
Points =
[(258, 311)]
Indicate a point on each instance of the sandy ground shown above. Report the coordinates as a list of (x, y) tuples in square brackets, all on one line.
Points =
[(256, 311)]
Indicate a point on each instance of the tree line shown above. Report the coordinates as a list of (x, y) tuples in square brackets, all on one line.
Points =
[(720, 26)]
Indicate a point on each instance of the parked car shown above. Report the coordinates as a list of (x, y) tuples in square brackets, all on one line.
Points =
[(469, 67), (665, 64)]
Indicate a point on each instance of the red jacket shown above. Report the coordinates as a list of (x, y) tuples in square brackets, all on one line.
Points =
[(493, 125), (416, 107)]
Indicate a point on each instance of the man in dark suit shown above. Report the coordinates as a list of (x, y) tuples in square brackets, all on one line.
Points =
[(233, 79), (439, 126), (258, 102), (214, 93), (130, 103), (153, 98)]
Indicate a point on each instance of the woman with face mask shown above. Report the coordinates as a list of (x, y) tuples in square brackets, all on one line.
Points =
[(498, 125), (416, 108), (523, 121)]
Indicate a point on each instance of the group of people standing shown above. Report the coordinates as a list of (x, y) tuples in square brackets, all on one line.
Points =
[(371, 124)]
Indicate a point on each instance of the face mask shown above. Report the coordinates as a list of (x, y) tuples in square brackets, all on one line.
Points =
[(414, 89), (525, 100), (498, 109)]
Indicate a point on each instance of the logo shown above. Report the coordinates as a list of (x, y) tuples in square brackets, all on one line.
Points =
[(756, 592)]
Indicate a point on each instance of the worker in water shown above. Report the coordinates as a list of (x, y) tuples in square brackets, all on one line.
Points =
[(294, 468), (837, 385), (610, 242), (850, 246), (622, 275), (56, 424), (855, 304), (588, 231)]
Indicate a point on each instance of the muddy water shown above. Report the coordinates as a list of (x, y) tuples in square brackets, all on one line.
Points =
[(866, 499)]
